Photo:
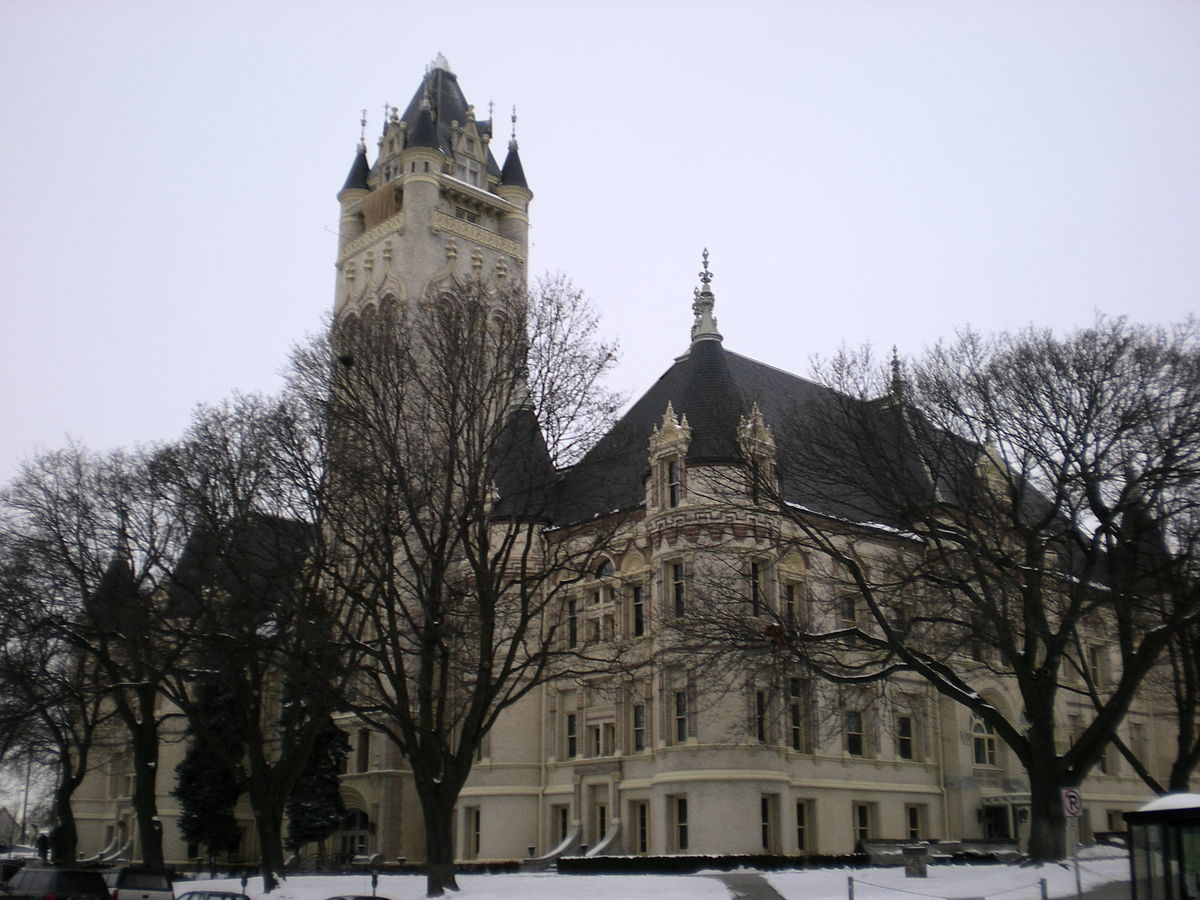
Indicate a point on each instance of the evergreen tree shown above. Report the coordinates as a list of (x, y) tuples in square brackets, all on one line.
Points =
[(207, 785), (315, 808)]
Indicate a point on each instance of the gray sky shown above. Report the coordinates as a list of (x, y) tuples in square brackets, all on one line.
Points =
[(860, 171)]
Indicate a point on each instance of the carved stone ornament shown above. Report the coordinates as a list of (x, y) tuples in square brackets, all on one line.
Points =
[(673, 434)]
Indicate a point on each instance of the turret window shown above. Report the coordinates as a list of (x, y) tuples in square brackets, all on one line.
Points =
[(672, 482)]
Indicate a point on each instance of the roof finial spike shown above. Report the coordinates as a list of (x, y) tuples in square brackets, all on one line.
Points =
[(362, 133), (704, 327), (705, 275), (512, 141), (898, 383)]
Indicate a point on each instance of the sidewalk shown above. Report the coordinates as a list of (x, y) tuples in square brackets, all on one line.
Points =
[(753, 886)]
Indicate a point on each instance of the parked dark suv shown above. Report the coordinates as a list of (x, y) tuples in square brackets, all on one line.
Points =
[(52, 883), (134, 883)]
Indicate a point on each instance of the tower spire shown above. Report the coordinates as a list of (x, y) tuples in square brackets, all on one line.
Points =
[(704, 326)]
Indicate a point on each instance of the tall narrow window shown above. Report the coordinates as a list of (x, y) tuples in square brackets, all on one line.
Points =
[(756, 588), (637, 609), (681, 716), (913, 822), (672, 484), (641, 825), (679, 822), (803, 837), (639, 728), (862, 822), (789, 604), (768, 805), (362, 758), (474, 831), (797, 720), (678, 589), (1095, 664), (572, 740), (905, 738), (855, 742), (572, 622), (760, 716)]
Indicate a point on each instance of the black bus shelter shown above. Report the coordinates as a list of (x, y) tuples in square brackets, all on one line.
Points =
[(1164, 848)]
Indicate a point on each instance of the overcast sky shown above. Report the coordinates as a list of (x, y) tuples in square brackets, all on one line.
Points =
[(860, 171)]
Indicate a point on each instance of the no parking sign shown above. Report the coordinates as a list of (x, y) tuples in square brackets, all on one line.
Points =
[(1072, 803)]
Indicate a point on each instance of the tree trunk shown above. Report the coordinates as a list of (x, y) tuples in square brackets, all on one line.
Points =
[(1047, 824), (64, 838), (438, 809), (268, 820), (145, 780)]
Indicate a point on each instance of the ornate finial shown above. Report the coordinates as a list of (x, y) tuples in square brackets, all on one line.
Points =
[(898, 383), (512, 141), (705, 325), (491, 110), (362, 134)]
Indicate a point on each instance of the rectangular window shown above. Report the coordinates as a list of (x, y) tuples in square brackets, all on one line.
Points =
[(639, 727), (639, 814), (673, 485), (797, 720), (855, 743), (914, 822), (760, 716), (474, 820), (984, 739), (905, 738), (559, 822), (803, 835), (849, 609), (678, 589), (789, 604), (1095, 664), (862, 822), (679, 822), (594, 740), (572, 622), (756, 588), (362, 758), (768, 815), (637, 608), (572, 747), (681, 716)]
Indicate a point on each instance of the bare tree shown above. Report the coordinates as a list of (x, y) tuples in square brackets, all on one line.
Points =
[(974, 524), (440, 505), (103, 543), (52, 698), (250, 597)]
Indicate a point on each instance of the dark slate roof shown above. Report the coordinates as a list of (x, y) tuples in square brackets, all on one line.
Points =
[(714, 388), (446, 104), (252, 562), (357, 179), (522, 471), (513, 173)]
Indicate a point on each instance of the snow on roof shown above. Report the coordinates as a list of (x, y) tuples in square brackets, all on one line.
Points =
[(1172, 801)]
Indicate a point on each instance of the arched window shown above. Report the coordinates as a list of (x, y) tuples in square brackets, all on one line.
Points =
[(605, 569), (984, 739)]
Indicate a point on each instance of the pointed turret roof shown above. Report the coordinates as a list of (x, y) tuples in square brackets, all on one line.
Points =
[(440, 96), (513, 173), (359, 170)]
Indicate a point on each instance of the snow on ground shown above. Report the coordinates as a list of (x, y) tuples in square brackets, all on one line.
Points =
[(1005, 882)]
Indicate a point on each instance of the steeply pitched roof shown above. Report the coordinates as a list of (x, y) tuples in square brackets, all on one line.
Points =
[(359, 170), (446, 104), (513, 173)]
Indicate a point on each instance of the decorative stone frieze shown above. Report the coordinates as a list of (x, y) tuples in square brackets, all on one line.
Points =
[(473, 232)]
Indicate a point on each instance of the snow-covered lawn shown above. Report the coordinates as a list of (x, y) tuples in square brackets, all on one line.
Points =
[(1008, 882)]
